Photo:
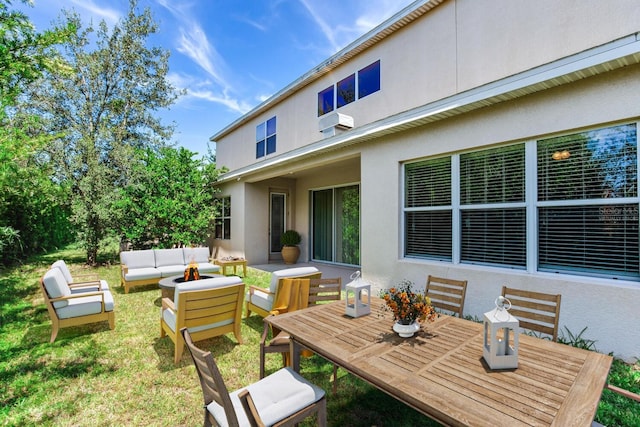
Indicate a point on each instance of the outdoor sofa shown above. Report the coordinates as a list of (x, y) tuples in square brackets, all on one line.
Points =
[(148, 266)]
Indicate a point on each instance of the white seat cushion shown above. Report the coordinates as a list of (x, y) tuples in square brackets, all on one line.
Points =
[(171, 270), (276, 396), (207, 267), (261, 299), (142, 274), (169, 257), (86, 305), (138, 259)]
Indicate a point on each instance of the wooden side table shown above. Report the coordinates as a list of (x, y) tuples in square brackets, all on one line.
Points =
[(224, 263)]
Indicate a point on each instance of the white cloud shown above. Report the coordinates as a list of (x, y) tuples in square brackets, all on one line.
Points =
[(110, 16)]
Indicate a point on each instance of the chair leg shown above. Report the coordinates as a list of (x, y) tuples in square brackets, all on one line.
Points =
[(179, 349), (335, 379), (322, 412)]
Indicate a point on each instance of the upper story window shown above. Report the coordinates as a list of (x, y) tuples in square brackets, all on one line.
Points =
[(266, 138), (369, 80), (567, 204), (346, 93), (356, 86), (325, 101), (223, 219)]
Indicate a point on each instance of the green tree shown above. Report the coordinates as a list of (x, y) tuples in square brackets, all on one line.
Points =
[(103, 105), (31, 206), (169, 200)]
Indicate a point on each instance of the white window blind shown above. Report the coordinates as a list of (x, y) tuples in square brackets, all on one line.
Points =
[(588, 203), (493, 210), (428, 209)]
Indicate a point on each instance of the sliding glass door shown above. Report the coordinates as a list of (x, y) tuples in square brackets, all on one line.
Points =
[(335, 221)]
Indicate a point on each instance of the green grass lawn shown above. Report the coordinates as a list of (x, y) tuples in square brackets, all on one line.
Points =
[(95, 376)]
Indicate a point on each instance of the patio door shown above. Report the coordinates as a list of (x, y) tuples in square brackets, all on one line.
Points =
[(277, 222), (335, 222)]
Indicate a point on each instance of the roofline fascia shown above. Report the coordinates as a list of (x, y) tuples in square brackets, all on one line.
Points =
[(391, 25), (488, 94)]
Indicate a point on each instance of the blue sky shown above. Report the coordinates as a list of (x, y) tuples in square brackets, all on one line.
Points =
[(230, 55)]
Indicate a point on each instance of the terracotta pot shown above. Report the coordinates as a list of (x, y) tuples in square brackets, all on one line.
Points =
[(290, 254), (406, 331)]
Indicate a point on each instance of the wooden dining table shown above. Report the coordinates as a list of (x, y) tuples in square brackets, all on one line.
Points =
[(440, 371)]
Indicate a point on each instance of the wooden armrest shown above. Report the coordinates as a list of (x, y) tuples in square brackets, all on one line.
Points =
[(249, 407), (258, 288), (84, 284), (124, 269), (82, 295), (167, 303)]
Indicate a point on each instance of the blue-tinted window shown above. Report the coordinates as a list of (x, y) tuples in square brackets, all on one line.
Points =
[(346, 91), (325, 101), (271, 144), (369, 80), (266, 138), (260, 149)]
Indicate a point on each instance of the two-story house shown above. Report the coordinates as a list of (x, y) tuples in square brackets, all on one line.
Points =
[(490, 140)]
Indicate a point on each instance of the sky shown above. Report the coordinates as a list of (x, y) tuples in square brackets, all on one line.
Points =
[(231, 55)]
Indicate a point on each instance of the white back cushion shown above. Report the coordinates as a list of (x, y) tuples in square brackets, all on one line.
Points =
[(166, 257), (65, 270), (138, 259), (196, 285), (289, 272), (55, 284), (199, 255)]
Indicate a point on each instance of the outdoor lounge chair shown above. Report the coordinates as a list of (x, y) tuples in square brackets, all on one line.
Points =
[(209, 308), (447, 294), (536, 311), (283, 398), (77, 306), (260, 300)]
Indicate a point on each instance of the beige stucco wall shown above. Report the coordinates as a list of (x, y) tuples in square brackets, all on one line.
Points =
[(607, 307), (459, 45)]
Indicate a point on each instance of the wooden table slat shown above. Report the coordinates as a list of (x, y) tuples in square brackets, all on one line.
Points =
[(441, 372)]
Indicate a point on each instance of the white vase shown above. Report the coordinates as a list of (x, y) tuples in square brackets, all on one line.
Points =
[(406, 331)]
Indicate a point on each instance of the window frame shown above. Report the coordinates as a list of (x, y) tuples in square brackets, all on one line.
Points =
[(222, 222), (625, 270), (266, 137)]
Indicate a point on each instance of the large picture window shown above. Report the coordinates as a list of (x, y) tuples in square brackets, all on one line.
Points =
[(567, 204)]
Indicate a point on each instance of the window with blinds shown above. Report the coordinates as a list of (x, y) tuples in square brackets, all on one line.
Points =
[(588, 203), (492, 207), (583, 201), (427, 209)]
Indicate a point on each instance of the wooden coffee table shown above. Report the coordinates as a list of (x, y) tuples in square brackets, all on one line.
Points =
[(224, 263)]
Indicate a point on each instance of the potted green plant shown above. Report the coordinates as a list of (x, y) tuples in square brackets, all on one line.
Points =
[(290, 240)]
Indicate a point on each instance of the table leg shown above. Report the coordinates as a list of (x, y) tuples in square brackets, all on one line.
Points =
[(295, 349)]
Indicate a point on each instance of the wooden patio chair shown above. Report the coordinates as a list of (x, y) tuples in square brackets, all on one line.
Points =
[(260, 300), (69, 306), (209, 308), (283, 398), (447, 294), (320, 291), (536, 311)]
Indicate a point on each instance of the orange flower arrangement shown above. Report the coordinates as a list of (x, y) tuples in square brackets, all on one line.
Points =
[(407, 306)]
